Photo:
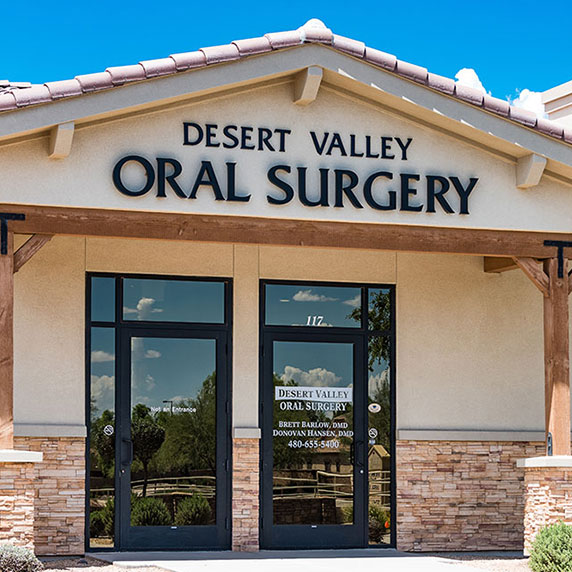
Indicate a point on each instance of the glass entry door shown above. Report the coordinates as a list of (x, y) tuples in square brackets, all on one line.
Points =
[(314, 463), (172, 451), (328, 416)]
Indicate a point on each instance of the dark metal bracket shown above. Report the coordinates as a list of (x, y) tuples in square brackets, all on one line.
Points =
[(560, 245), (4, 218)]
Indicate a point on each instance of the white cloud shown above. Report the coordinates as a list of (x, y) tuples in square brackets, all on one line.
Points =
[(149, 382), (318, 377), (152, 354), (309, 296), (99, 356), (103, 391), (529, 100), (469, 77), (354, 302), (145, 306)]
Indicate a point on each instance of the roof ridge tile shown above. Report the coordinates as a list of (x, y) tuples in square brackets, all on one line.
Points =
[(349, 46), (20, 94), (189, 60), (219, 54)]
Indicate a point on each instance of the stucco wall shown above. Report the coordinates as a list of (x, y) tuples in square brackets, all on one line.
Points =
[(469, 344), (29, 177)]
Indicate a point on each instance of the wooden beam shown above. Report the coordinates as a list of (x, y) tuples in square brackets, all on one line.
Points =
[(287, 232), (557, 359), (570, 281), (7, 346), (497, 264), (535, 272), (29, 248)]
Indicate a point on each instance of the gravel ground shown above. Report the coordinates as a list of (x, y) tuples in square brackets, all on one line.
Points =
[(91, 565)]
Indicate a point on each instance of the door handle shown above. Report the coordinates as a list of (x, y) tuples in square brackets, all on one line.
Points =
[(126, 461)]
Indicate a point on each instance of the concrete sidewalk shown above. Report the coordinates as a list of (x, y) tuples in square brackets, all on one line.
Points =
[(370, 560)]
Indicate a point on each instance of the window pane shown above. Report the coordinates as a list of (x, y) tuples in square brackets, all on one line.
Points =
[(173, 301), (102, 299), (173, 430), (313, 433), (379, 309), (102, 438), (313, 306), (379, 444)]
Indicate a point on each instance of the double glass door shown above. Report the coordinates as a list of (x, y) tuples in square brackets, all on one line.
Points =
[(327, 416)]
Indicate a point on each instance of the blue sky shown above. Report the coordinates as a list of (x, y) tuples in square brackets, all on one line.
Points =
[(511, 45)]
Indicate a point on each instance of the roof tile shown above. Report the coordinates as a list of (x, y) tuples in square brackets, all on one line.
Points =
[(522, 116), (411, 71), (162, 66), (124, 74), (349, 46), (319, 34), (35, 94), (496, 105), (549, 127), (188, 60), (441, 83), (218, 54), (94, 81), (64, 88), (381, 59), (7, 101), (13, 94), (469, 94), (253, 46), (284, 39)]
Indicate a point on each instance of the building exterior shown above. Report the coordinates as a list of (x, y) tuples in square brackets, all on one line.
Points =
[(289, 292)]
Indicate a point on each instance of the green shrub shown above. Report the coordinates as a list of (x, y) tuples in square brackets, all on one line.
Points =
[(552, 549), (379, 520), (18, 559), (193, 510), (149, 512)]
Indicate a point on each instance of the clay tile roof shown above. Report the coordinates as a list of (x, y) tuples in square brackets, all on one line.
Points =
[(14, 95)]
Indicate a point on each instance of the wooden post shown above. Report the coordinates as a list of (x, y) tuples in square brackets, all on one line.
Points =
[(557, 358), (7, 345)]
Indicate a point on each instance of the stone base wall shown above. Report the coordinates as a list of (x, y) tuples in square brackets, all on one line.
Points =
[(245, 494), (548, 499), (17, 503), (461, 495), (58, 486)]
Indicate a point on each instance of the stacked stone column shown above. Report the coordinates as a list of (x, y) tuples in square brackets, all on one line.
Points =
[(547, 494), (17, 493), (245, 490)]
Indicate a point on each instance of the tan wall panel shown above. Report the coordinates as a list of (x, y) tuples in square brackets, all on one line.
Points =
[(293, 263), (159, 257), (49, 367), (469, 346), (245, 337)]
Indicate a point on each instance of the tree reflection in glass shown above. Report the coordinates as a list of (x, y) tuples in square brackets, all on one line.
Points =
[(173, 429), (313, 433)]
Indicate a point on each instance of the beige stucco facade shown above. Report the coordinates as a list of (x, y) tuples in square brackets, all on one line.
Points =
[(469, 344), (419, 186)]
